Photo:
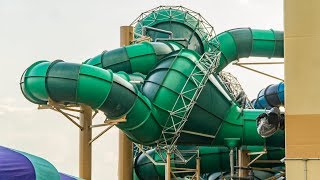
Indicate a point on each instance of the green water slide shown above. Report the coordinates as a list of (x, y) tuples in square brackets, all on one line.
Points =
[(247, 42), (213, 159), (214, 117), (142, 82)]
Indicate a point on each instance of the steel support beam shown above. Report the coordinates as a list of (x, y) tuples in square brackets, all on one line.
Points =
[(125, 160), (85, 149), (244, 160), (168, 167)]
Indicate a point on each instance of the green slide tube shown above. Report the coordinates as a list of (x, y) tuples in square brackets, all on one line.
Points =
[(98, 88), (233, 44), (134, 58), (214, 118), (246, 42), (213, 159)]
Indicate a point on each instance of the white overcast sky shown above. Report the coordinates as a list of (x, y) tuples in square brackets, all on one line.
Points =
[(75, 30)]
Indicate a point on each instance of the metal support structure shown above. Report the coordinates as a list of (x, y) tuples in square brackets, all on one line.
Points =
[(139, 148), (231, 154), (85, 133), (235, 89), (194, 173), (198, 168), (173, 128), (259, 72), (84, 123), (145, 28), (277, 176), (100, 134), (243, 161), (207, 28), (258, 63), (168, 167), (125, 159), (256, 158), (142, 149), (173, 172), (207, 64), (85, 148)]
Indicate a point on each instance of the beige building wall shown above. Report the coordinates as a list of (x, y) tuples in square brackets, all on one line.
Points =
[(302, 93)]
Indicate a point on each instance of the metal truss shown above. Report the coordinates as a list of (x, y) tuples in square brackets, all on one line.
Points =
[(199, 76), (194, 173), (137, 147), (166, 146), (234, 87), (203, 23), (173, 172), (67, 110), (245, 66), (245, 162), (203, 27), (178, 116), (204, 67)]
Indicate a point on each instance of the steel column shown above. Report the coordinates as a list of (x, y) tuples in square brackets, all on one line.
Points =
[(244, 160), (85, 149), (125, 163)]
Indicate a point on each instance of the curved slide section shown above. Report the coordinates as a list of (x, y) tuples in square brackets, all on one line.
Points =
[(98, 88), (146, 102), (246, 42), (233, 44), (269, 97), (134, 58), (213, 159), (214, 118)]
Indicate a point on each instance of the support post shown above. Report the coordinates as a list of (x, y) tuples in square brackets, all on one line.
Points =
[(231, 162), (198, 168), (244, 160), (168, 167), (125, 163), (85, 150)]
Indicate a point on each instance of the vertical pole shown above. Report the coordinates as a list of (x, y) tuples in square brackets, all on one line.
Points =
[(302, 122), (244, 160), (231, 163), (85, 149), (125, 164), (198, 168), (168, 167)]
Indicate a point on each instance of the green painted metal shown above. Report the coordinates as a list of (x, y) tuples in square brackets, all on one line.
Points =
[(246, 42), (134, 58), (147, 111), (213, 114), (233, 44), (98, 88), (182, 22), (213, 159), (215, 117)]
